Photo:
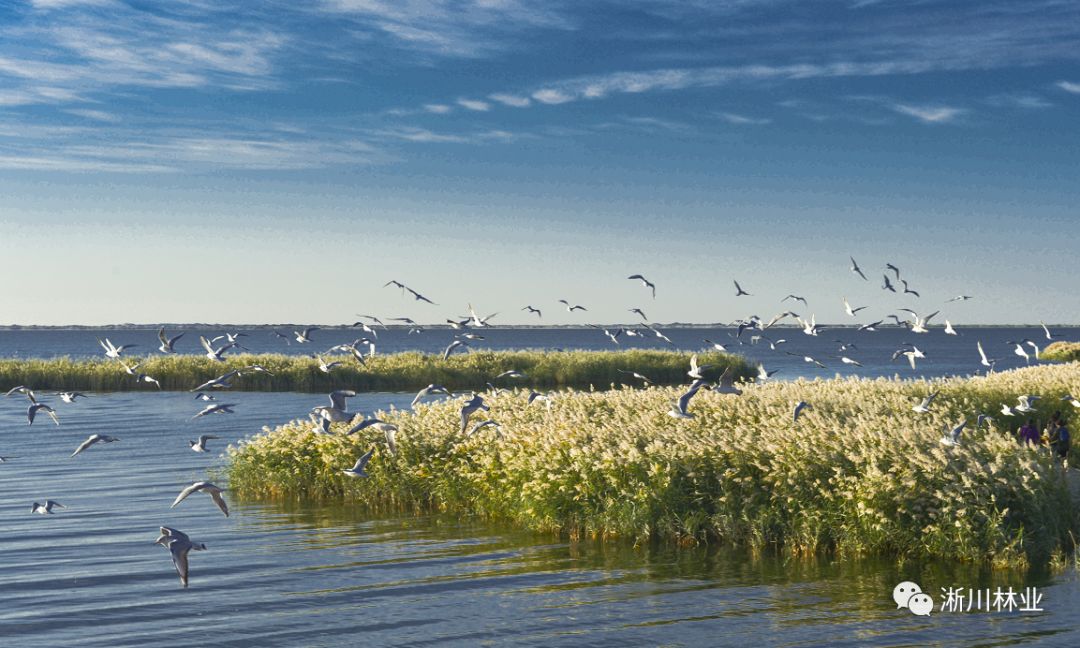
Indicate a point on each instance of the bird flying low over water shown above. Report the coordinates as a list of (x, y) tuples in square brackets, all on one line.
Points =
[(636, 375), (46, 508), (453, 345), (645, 283), (216, 408), (796, 298), (534, 310), (71, 397), (418, 297), (726, 384), (429, 391), (31, 413), (167, 342), (1047, 331), (179, 545), (695, 370), (571, 309), (305, 336), (764, 375), (200, 445), (204, 487), (94, 438), (358, 468), (24, 390), (113, 351), (639, 312), (919, 323), (212, 353), (949, 330)]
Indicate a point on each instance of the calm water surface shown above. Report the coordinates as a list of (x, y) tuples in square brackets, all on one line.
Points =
[(311, 574)]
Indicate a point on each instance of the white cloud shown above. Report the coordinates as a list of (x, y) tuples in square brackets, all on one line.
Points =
[(929, 114), (438, 109), (1069, 86), (473, 104), (97, 115), (734, 118), (514, 101), (552, 96), (1018, 101)]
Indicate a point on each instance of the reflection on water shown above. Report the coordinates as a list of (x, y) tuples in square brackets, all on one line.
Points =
[(317, 574)]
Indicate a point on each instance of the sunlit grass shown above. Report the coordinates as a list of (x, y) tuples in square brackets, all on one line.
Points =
[(1062, 351), (860, 473), (392, 372)]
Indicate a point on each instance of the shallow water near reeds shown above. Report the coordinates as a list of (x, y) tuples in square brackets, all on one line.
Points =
[(324, 574)]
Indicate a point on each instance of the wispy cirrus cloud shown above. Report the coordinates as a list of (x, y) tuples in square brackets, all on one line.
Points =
[(735, 118), (474, 105), (453, 28), (1069, 86), (929, 114)]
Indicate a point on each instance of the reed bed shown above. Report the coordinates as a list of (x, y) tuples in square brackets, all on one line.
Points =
[(390, 372), (1062, 352), (858, 474)]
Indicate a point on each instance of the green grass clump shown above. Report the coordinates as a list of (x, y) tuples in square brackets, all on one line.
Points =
[(858, 474), (392, 372), (1062, 352)]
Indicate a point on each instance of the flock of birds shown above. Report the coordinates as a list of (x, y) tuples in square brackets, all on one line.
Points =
[(466, 333)]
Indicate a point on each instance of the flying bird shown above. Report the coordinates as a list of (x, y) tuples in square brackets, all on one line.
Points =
[(179, 546), (851, 311), (46, 508), (680, 407), (645, 283), (889, 266), (799, 407), (418, 297), (959, 298), (952, 438), (200, 444), (908, 290), (429, 391), (113, 351), (304, 336), (453, 345), (796, 298), (91, 440), (204, 487), (358, 469), (534, 310), (639, 312), (167, 342), (211, 352), (474, 404), (888, 284), (636, 375), (571, 309), (216, 408), (31, 413), (856, 269), (739, 292), (949, 330), (924, 406), (71, 397)]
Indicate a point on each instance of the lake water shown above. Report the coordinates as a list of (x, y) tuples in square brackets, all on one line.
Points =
[(311, 574), (945, 354)]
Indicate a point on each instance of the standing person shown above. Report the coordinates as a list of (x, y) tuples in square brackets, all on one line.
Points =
[(1028, 433), (1060, 440)]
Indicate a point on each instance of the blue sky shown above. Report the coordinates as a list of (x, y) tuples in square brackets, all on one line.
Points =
[(242, 162)]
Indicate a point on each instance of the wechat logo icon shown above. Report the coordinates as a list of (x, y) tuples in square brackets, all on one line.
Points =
[(909, 595)]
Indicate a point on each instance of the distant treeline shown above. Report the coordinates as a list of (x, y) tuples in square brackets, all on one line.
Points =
[(391, 372)]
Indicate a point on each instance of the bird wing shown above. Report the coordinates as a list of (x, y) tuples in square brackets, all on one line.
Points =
[(362, 462), (187, 491), (220, 501), (86, 444), (179, 550), (206, 344)]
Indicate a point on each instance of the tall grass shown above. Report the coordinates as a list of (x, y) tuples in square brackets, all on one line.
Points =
[(1062, 351), (392, 372), (860, 473)]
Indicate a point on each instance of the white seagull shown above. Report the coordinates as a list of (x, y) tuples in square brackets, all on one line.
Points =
[(952, 438), (179, 546), (739, 292), (167, 342), (856, 269), (204, 487), (46, 508), (358, 468), (91, 440), (31, 413), (679, 408), (200, 445), (474, 404), (305, 336), (113, 351), (799, 407), (216, 408), (645, 283), (851, 311), (924, 406)]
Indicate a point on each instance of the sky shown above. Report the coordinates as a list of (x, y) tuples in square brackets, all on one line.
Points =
[(217, 161)]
